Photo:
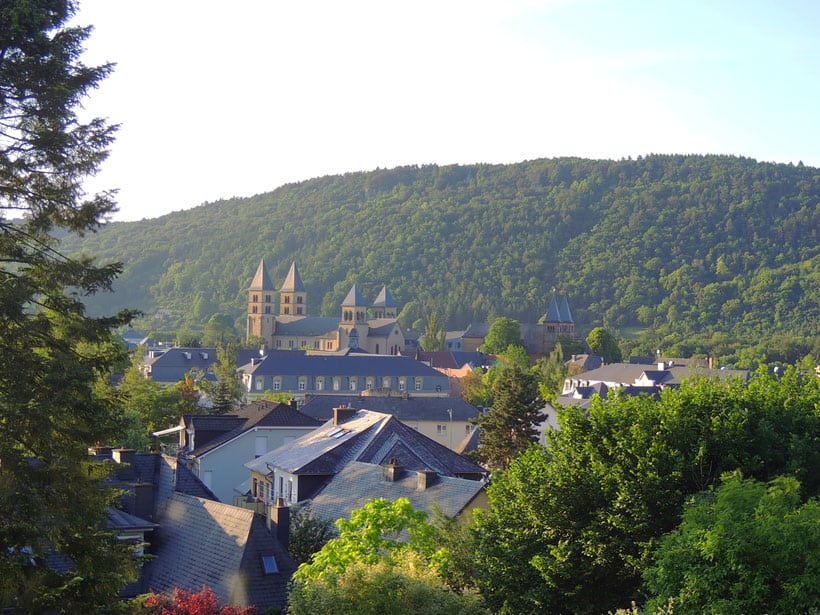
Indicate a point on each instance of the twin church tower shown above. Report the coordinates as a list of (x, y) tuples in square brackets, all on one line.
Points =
[(371, 328)]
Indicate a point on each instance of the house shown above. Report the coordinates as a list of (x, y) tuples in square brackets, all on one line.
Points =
[(170, 365), (297, 471), (359, 482), (196, 541), (301, 373), (539, 338), (216, 447), (370, 326), (445, 420)]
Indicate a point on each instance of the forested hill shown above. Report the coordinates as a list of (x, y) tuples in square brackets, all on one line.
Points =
[(690, 247)]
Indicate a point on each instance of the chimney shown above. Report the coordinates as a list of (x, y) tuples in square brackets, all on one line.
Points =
[(293, 404), (125, 458), (426, 478), (279, 522), (342, 413), (392, 471)]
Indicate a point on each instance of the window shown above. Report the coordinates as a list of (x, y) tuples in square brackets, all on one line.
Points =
[(316, 344), (441, 429), (259, 383), (267, 309), (352, 384), (298, 310), (386, 383), (278, 343), (337, 384), (277, 384), (320, 384), (290, 344), (269, 564), (418, 384), (302, 384), (267, 298), (255, 299), (253, 309), (368, 384), (402, 384), (287, 298), (468, 428), (299, 300)]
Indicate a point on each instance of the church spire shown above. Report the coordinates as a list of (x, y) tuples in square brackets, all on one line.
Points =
[(293, 294)]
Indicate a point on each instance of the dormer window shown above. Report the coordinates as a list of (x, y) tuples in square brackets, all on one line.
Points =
[(269, 564)]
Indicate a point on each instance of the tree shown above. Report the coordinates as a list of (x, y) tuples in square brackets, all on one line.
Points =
[(509, 427), (308, 533), (551, 371), (54, 359), (504, 332), (435, 337), (602, 343), (746, 547), (227, 391), (184, 602)]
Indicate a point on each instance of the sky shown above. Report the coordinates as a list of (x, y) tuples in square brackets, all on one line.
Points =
[(223, 99)]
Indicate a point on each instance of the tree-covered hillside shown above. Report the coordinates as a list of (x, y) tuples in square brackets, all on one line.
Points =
[(703, 252)]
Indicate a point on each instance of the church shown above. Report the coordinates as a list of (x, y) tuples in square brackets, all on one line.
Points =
[(361, 326)]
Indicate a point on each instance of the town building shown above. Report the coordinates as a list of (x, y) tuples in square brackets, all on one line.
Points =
[(286, 324)]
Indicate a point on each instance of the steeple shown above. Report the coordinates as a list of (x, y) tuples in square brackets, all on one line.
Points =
[(293, 294), (384, 305), (354, 307), (260, 304)]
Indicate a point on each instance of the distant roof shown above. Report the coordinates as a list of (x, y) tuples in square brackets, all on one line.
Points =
[(307, 326), (297, 363), (261, 280), (384, 299), (405, 409), (353, 298), (358, 482), (293, 281)]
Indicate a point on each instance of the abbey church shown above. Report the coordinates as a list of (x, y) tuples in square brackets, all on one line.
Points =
[(369, 327)]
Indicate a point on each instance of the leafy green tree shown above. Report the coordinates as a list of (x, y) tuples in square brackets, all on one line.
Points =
[(308, 533), (509, 427), (573, 527), (602, 343), (551, 372), (399, 586), (227, 392), (435, 337), (219, 330), (476, 387), (747, 547), (515, 355), (504, 332), (53, 357)]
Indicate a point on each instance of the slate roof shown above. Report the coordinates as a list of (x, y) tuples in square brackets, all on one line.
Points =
[(446, 359), (309, 326), (354, 298), (477, 330), (261, 280), (293, 281), (226, 427), (384, 299), (381, 326), (405, 409), (359, 482), (180, 360), (205, 543), (298, 363), (371, 437)]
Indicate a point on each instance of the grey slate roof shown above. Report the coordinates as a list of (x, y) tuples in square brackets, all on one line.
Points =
[(293, 281), (359, 482), (261, 280), (371, 437), (226, 427), (384, 299), (354, 298), (553, 313), (205, 543), (298, 363), (405, 409), (307, 326)]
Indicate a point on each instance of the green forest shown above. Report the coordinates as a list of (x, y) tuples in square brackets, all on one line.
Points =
[(696, 255)]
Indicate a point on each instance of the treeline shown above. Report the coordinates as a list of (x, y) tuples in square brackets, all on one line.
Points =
[(695, 254)]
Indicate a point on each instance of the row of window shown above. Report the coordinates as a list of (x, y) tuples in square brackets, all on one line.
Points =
[(336, 383)]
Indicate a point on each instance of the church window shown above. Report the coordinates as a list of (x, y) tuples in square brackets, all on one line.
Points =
[(287, 298), (253, 309), (287, 310), (290, 344), (255, 298), (299, 299), (278, 343), (267, 298), (377, 349), (267, 309), (298, 310)]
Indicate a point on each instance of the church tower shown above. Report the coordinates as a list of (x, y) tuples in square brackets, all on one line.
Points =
[(260, 304), (354, 318), (293, 295), (384, 306)]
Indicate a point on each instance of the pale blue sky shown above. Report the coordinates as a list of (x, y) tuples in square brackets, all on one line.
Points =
[(220, 99)]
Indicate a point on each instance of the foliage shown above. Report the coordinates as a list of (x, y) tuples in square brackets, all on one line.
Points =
[(503, 333), (308, 533), (509, 427), (713, 253), (746, 547), (227, 392), (572, 528), (551, 372), (372, 531), (55, 361), (184, 602), (603, 344), (399, 585), (514, 355), (476, 387), (435, 337)]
